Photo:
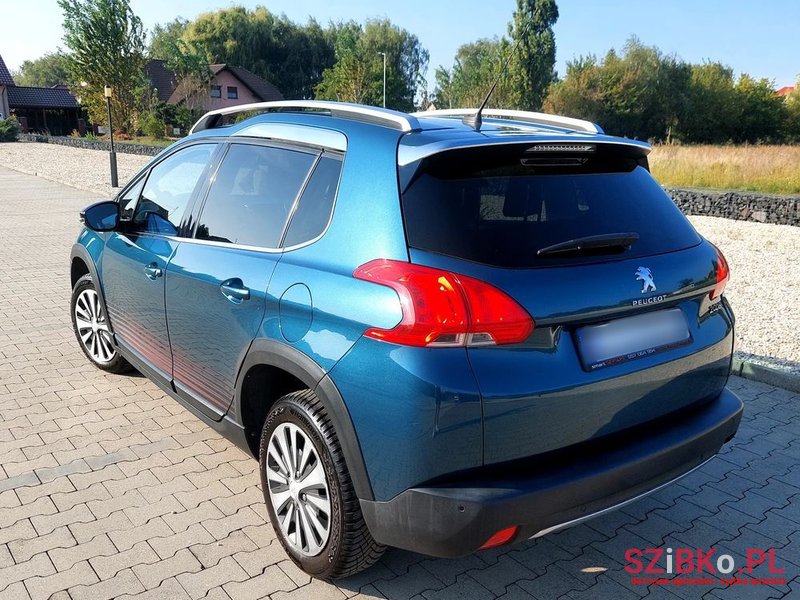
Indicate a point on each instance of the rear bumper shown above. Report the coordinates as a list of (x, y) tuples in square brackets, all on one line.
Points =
[(457, 518)]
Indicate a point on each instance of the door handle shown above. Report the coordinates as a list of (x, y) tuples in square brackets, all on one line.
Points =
[(235, 290), (153, 271)]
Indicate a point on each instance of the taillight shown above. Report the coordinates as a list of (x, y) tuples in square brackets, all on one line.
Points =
[(723, 274), (441, 308)]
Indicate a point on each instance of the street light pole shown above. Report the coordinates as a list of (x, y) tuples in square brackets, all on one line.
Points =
[(384, 78), (113, 154)]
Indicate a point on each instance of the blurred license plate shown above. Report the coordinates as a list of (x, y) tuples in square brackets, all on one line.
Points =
[(631, 338)]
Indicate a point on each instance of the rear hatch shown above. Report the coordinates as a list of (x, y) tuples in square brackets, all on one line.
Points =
[(617, 281)]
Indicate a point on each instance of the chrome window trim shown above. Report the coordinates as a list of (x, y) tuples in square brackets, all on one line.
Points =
[(193, 240)]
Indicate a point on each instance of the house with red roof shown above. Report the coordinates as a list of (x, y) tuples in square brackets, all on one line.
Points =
[(786, 90)]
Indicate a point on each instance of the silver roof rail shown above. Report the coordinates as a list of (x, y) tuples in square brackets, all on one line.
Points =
[(357, 112), (518, 115)]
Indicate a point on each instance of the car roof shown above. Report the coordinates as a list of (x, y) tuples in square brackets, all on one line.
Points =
[(418, 134)]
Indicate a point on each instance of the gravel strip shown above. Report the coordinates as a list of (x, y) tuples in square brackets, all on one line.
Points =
[(83, 169), (765, 278), (764, 289)]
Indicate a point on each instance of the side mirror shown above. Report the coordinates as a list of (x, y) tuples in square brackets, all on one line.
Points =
[(102, 216)]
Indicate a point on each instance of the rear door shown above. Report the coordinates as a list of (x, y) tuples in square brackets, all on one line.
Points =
[(136, 256), (217, 281), (625, 332)]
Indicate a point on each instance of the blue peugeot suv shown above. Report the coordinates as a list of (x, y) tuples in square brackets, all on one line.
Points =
[(433, 334)]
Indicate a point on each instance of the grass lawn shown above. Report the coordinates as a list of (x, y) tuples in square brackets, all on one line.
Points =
[(151, 141), (772, 169)]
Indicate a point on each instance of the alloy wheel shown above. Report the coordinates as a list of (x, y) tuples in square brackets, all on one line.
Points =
[(92, 326), (298, 489)]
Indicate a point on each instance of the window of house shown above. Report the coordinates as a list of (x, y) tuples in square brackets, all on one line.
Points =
[(233, 92), (216, 91), (253, 194)]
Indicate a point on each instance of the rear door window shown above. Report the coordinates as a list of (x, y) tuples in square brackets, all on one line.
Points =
[(314, 209), (499, 207), (253, 194)]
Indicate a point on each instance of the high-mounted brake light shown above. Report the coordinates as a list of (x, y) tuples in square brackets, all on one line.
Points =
[(723, 274), (441, 308)]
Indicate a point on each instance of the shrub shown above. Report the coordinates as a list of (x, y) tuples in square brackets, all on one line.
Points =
[(9, 128), (151, 125)]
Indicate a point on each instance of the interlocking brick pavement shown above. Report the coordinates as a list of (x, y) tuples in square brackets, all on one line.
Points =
[(108, 488)]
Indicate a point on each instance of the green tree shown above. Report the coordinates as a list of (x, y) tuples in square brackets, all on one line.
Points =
[(523, 83), (580, 93), (444, 95), (163, 38), (46, 71), (476, 67), (106, 42), (712, 102), (290, 56), (531, 70), (354, 77), (792, 101), (641, 93), (760, 114), (357, 75), (192, 72)]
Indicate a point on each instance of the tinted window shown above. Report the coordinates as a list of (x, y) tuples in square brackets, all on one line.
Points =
[(314, 209), (253, 194), (169, 188), (501, 209)]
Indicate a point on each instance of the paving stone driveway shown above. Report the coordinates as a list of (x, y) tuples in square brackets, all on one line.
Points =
[(109, 488)]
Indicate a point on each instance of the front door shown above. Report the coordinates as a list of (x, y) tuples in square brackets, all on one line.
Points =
[(216, 282), (136, 256)]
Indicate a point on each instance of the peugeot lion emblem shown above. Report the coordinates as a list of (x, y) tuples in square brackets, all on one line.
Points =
[(644, 275)]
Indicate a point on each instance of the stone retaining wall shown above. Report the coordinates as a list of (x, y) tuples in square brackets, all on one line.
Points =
[(75, 142), (741, 206)]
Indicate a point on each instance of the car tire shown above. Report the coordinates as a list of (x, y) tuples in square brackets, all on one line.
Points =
[(314, 511), (90, 324)]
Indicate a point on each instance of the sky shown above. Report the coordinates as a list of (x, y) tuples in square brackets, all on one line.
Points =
[(759, 38)]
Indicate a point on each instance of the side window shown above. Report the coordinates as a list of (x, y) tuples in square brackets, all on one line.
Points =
[(253, 194), (314, 208), (169, 188), (127, 203)]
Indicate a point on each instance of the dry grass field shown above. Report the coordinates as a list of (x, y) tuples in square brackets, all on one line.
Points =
[(773, 169)]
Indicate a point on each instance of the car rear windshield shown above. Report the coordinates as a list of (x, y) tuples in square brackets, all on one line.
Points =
[(500, 206)]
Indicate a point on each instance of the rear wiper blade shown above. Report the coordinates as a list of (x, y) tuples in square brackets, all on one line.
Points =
[(592, 242)]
